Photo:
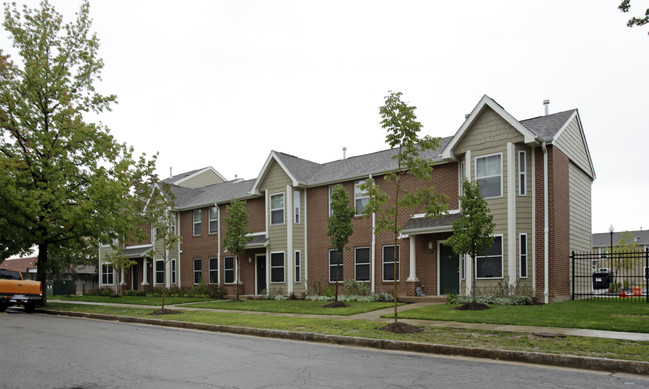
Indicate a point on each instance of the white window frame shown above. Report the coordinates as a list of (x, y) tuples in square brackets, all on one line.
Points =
[(296, 206), (462, 176), (226, 269), (522, 173), (107, 274), (157, 272), (463, 266), (499, 175), (359, 195), (199, 271), (298, 265), (391, 262), (273, 210), (368, 264), (211, 231), (210, 260), (335, 264), (283, 267), (522, 255), (502, 261), (198, 223), (173, 272)]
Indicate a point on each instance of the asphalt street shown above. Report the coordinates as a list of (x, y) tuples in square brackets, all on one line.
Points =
[(43, 351)]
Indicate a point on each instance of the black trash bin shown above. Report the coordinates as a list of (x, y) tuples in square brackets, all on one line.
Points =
[(601, 279)]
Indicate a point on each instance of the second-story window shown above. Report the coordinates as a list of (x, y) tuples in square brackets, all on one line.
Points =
[(277, 209), (361, 198), (489, 170), (522, 174), (331, 191), (213, 220), (296, 206), (197, 222)]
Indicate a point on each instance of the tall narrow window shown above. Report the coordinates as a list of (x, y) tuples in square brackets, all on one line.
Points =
[(277, 209), (159, 271), (335, 270), (491, 265), (522, 249), (197, 222), (388, 263), (213, 220), (298, 265), (228, 270), (198, 270), (331, 191), (296, 206), (488, 173), (522, 173), (173, 271), (362, 264), (361, 198), (462, 177), (107, 274), (214, 270), (277, 267)]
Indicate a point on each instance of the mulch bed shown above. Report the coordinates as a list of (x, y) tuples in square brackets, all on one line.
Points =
[(164, 312), (335, 304), (473, 306), (401, 328)]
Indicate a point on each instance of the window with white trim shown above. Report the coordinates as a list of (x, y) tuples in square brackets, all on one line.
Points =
[(522, 173), (198, 270), (173, 271), (277, 267), (522, 254), (213, 220), (462, 177), (335, 270), (228, 270), (214, 270), (361, 198), (296, 207), (491, 265), (463, 264), (298, 265), (489, 175), (197, 222), (159, 271), (277, 209), (388, 263), (107, 275), (362, 264)]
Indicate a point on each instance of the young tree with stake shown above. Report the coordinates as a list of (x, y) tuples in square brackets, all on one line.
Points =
[(340, 228), (237, 236)]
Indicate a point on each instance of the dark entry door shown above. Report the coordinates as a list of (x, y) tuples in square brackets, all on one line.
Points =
[(135, 277), (261, 274), (449, 271)]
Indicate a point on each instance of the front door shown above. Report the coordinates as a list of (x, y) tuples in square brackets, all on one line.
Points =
[(449, 271), (134, 279), (260, 275)]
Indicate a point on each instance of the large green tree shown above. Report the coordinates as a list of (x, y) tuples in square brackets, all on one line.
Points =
[(473, 232), (625, 6), (339, 227), (62, 178), (237, 236), (400, 121)]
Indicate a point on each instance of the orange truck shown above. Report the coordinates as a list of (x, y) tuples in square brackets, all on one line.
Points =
[(16, 291)]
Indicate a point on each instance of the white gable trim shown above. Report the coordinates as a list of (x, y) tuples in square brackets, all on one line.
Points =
[(575, 116), (485, 101), (200, 172), (264, 171)]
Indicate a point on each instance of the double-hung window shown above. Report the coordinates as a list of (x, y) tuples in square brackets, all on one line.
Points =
[(491, 264), (228, 270), (388, 263), (277, 209), (213, 220), (107, 274), (522, 253), (173, 271), (296, 207), (362, 263), (214, 270), (522, 174), (159, 271), (198, 270), (361, 198), (335, 269), (197, 222), (298, 265), (489, 175), (277, 267)]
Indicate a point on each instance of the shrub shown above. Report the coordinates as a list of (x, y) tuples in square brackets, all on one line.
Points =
[(329, 291), (356, 288), (105, 291), (491, 300)]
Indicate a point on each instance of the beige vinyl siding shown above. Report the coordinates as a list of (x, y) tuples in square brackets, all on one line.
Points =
[(580, 209), (572, 143), (200, 180), (524, 210), (488, 131), (275, 182), (298, 244)]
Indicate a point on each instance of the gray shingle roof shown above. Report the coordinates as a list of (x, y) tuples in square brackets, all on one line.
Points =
[(416, 224), (173, 179), (603, 239), (546, 127), (218, 193)]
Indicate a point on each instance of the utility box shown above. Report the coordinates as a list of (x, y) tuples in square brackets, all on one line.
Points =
[(63, 288), (601, 279)]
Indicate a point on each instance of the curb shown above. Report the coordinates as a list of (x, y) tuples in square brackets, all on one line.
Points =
[(571, 361)]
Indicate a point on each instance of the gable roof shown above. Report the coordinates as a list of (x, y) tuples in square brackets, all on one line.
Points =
[(603, 239), (549, 127), (182, 177), (187, 198)]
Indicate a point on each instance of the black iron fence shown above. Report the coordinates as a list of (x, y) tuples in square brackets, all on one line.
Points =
[(620, 275)]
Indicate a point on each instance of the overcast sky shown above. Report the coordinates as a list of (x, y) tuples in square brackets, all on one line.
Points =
[(222, 83)]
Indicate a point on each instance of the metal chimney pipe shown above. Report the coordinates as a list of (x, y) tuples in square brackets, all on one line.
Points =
[(170, 172), (344, 152), (546, 103)]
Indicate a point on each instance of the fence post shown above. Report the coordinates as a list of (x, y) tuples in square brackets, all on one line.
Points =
[(645, 272), (572, 256)]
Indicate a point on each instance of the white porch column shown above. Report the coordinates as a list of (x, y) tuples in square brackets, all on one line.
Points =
[(413, 261), (121, 277), (145, 272)]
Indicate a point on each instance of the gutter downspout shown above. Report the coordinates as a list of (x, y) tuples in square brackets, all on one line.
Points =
[(546, 229), (373, 266), (218, 240)]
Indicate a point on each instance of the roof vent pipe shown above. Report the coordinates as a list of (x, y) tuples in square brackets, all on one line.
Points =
[(547, 106), (466, 115), (170, 171), (344, 152)]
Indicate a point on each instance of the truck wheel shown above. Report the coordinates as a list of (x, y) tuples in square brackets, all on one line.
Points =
[(30, 308), (3, 307)]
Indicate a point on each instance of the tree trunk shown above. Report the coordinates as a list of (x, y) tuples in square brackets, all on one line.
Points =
[(236, 279), (41, 270)]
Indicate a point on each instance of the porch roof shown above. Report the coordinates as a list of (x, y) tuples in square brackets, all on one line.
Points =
[(258, 241), (419, 224), (137, 251)]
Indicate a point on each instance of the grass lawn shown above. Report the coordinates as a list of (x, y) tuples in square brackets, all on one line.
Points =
[(632, 316), (294, 306), (592, 347), (153, 301)]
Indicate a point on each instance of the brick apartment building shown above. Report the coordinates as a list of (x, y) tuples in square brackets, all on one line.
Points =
[(536, 175)]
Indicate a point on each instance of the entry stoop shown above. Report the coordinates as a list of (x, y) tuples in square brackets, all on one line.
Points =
[(424, 299)]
